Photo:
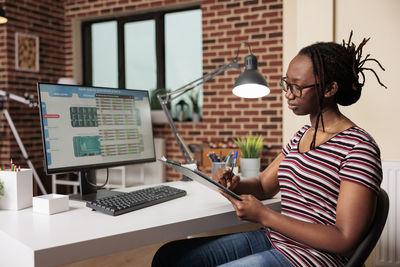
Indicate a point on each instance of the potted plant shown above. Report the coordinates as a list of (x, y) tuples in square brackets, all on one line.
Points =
[(251, 147), (194, 97), (157, 114)]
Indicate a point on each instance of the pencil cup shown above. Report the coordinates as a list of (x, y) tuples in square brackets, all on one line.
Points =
[(17, 189), (215, 166)]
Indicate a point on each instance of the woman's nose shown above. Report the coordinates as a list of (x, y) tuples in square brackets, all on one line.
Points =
[(289, 94)]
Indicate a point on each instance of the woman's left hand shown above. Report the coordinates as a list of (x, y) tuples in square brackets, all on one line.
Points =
[(249, 209)]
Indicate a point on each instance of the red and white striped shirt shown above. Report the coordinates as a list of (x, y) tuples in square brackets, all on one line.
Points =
[(310, 182)]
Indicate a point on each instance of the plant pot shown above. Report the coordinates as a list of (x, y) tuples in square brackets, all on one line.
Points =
[(249, 167), (158, 116), (196, 117)]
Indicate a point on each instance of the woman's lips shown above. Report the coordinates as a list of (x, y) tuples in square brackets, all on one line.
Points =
[(291, 106)]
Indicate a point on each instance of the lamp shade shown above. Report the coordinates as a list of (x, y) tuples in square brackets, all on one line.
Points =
[(3, 18), (250, 84)]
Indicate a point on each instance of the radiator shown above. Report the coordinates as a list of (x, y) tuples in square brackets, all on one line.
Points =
[(387, 251)]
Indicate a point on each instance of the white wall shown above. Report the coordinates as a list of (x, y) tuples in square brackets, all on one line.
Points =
[(378, 110), (304, 22), (308, 21)]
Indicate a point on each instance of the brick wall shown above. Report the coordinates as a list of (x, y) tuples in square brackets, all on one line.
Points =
[(42, 18), (226, 23)]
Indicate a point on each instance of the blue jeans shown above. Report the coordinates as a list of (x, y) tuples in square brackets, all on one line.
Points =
[(241, 249)]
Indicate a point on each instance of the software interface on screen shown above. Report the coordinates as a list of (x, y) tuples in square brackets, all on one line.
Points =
[(94, 127)]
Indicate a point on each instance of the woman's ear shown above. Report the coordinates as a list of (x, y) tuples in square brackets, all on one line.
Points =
[(331, 90)]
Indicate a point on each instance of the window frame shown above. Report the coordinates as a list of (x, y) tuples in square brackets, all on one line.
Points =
[(158, 17)]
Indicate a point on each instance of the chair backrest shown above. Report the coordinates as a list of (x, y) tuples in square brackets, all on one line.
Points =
[(371, 238)]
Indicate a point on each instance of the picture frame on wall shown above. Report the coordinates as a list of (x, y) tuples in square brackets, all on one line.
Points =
[(26, 52)]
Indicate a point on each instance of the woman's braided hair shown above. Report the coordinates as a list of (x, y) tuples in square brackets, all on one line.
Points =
[(342, 64)]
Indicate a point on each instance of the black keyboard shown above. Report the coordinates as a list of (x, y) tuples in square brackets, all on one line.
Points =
[(130, 201)]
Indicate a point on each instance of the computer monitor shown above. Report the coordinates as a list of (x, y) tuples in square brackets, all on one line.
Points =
[(85, 128)]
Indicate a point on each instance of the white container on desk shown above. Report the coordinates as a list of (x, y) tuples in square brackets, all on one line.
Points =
[(50, 204), (17, 189)]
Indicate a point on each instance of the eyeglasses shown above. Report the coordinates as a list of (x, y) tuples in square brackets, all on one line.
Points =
[(294, 88)]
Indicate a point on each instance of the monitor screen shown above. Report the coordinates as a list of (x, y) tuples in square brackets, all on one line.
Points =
[(93, 127)]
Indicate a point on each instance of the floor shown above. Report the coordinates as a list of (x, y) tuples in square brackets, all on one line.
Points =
[(140, 257)]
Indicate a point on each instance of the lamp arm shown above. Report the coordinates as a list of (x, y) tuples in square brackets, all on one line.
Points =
[(25, 100), (187, 155), (180, 91), (165, 98)]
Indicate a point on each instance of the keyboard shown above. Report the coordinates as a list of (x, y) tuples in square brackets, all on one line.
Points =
[(134, 200)]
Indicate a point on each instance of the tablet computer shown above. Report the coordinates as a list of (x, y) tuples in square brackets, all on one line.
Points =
[(199, 177)]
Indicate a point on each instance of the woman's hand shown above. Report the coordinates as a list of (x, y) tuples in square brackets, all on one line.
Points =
[(225, 177), (249, 209)]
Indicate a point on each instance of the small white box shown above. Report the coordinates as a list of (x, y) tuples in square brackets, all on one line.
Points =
[(17, 188), (50, 204)]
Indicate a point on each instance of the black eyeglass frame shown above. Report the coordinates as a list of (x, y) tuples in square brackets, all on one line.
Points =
[(291, 85)]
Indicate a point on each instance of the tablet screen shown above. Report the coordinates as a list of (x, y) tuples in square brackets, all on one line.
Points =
[(200, 178)]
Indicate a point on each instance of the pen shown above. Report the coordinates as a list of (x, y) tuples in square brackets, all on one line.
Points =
[(210, 157), (213, 157), (234, 162), (227, 158)]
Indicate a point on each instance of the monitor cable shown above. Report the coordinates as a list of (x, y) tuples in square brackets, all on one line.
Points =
[(95, 185)]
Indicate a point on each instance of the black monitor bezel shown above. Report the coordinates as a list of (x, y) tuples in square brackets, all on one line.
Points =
[(81, 168)]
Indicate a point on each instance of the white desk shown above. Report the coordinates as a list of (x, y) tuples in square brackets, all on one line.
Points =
[(32, 239)]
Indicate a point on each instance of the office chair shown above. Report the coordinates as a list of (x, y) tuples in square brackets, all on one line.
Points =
[(371, 238)]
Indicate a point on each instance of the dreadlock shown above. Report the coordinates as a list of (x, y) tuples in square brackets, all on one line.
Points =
[(342, 64)]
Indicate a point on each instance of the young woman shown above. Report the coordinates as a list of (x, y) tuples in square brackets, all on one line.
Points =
[(329, 175)]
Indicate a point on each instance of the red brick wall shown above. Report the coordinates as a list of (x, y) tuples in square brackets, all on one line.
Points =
[(226, 23), (43, 18)]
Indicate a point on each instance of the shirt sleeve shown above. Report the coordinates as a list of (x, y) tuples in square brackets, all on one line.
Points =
[(363, 166)]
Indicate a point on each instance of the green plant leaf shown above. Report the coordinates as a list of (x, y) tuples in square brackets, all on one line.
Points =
[(194, 97), (250, 146), (154, 103)]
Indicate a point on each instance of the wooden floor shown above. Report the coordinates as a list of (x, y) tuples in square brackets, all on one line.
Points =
[(140, 257)]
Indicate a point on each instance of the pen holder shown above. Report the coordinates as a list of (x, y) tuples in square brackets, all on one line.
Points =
[(215, 166), (17, 188)]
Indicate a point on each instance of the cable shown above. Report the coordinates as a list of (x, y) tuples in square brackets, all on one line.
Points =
[(92, 184)]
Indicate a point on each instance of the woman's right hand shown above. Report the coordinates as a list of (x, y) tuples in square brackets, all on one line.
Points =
[(225, 177)]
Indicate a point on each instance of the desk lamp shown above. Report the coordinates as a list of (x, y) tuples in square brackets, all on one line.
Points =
[(3, 18), (250, 84)]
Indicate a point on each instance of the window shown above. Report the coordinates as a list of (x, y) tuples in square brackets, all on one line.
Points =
[(140, 54), (150, 51), (104, 49)]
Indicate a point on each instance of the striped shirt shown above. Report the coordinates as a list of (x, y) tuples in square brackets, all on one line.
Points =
[(310, 182)]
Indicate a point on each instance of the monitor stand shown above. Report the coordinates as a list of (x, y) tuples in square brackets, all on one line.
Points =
[(88, 190)]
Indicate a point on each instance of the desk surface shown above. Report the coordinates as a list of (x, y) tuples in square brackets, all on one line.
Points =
[(33, 239)]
